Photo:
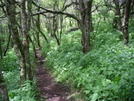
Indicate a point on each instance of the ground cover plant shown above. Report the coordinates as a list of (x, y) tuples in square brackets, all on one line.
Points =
[(104, 74), (11, 73), (88, 45)]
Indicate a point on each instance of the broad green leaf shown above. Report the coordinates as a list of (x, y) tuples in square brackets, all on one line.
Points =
[(94, 97)]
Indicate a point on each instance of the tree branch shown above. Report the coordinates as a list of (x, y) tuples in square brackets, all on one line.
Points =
[(2, 5), (55, 12), (69, 5)]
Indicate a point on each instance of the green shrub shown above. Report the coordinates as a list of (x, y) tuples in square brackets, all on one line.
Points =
[(9, 62), (11, 72), (104, 74), (25, 93)]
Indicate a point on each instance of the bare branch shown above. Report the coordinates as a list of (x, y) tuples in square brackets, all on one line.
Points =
[(69, 5), (2, 5), (55, 12)]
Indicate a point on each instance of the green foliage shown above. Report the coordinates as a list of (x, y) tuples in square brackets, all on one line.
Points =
[(12, 79), (16, 93), (104, 74), (9, 62), (25, 93), (11, 74), (45, 49)]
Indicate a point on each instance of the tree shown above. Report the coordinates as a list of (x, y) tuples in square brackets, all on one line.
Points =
[(20, 38), (3, 89), (26, 69), (84, 21), (122, 15), (117, 19), (125, 23)]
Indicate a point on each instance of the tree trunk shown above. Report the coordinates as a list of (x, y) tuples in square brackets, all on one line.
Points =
[(126, 22), (25, 25), (21, 45), (8, 43), (55, 30), (1, 51), (117, 19), (3, 89), (85, 24), (39, 30), (55, 23), (34, 48), (11, 10)]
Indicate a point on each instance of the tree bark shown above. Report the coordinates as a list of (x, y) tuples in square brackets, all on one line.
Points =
[(21, 44), (25, 25), (85, 24), (8, 43), (11, 14), (55, 23), (117, 19), (18, 47), (1, 51), (3, 89), (39, 30), (126, 21), (55, 30)]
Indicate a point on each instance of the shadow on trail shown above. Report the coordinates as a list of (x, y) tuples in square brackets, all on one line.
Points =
[(49, 90)]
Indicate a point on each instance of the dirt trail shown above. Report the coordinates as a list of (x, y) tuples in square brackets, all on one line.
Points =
[(49, 90)]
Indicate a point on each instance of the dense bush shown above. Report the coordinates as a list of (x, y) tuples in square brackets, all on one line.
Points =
[(9, 62), (11, 72), (104, 74)]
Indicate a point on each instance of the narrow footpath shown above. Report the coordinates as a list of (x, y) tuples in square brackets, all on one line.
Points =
[(48, 89)]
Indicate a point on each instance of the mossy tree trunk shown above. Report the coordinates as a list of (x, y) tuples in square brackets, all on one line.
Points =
[(26, 70), (20, 38), (125, 22), (85, 24)]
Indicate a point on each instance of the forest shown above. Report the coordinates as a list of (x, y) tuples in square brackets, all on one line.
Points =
[(83, 50)]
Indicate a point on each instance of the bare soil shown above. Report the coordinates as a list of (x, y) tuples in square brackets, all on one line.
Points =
[(48, 89)]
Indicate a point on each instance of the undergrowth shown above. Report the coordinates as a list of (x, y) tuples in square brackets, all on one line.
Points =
[(11, 73), (104, 74)]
